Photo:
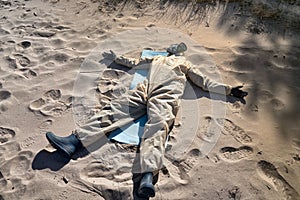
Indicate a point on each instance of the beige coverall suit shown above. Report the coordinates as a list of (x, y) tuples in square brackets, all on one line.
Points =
[(158, 96)]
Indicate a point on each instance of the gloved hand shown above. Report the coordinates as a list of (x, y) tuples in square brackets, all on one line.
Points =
[(110, 56), (237, 92)]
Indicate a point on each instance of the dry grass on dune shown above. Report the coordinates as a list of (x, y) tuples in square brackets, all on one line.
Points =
[(281, 13)]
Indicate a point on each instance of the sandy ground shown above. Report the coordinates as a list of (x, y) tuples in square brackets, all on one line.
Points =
[(51, 79)]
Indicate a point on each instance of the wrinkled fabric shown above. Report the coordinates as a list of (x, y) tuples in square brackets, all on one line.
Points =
[(158, 96)]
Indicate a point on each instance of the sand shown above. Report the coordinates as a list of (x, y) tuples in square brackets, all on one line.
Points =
[(52, 79)]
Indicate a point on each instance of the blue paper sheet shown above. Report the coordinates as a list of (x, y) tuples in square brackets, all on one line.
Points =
[(151, 54), (133, 132), (139, 76)]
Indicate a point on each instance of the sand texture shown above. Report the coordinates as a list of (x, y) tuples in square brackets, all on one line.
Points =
[(53, 77)]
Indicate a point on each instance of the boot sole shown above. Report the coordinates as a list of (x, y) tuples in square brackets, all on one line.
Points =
[(147, 190)]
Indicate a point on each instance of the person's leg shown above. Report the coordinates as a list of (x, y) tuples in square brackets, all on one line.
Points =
[(116, 114), (162, 107)]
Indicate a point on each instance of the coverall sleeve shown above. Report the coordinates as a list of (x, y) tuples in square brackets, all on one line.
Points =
[(127, 62), (206, 83)]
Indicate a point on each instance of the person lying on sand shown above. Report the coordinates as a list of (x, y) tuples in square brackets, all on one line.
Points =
[(158, 96)]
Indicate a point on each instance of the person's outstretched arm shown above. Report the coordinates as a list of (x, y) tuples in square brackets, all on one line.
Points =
[(206, 83), (125, 61), (210, 85)]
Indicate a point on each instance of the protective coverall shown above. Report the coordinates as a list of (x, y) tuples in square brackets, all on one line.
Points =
[(158, 96)]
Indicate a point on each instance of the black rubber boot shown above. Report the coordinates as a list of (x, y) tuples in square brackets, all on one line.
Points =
[(68, 145), (146, 188)]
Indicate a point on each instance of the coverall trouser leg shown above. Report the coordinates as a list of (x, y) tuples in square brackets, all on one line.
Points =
[(116, 114), (162, 107), (161, 104)]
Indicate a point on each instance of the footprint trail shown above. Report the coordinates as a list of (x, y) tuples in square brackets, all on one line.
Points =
[(232, 154), (269, 173), (238, 133)]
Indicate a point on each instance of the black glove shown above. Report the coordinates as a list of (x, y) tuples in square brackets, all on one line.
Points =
[(111, 55), (236, 92)]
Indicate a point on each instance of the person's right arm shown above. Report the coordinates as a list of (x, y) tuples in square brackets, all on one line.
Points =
[(121, 60), (127, 62)]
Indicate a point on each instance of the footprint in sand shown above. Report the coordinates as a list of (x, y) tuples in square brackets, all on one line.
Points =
[(208, 129), (230, 128), (232, 154), (44, 33), (4, 32), (12, 188), (265, 96), (185, 166), (18, 165), (28, 142), (7, 147), (53, 94), (18, 61), (14, 174), (97, 171), (8, 150), (6, 134), (59, 57), (44, 126), (25, 44), (55, 109), (50, 104), (22, 61), (37, 104), (12, 63), (4, 94), (294, 159), (269, 173), (277, 104), (28, 73), (14, 165), (21, 65)]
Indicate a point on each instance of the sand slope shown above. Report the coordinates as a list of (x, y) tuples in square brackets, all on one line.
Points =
[(237, 151)]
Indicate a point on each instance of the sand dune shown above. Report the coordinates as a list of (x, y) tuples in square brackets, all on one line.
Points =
[(53, 77)]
